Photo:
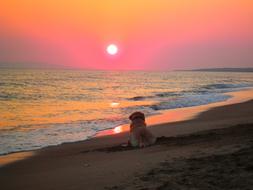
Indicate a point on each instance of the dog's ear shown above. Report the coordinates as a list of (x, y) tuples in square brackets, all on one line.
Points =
[(131, 116)]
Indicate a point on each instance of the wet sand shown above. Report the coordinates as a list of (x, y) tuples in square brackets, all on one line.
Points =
[(212, 150)]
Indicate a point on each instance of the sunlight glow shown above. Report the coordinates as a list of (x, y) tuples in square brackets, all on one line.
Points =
[(112, 49), (117, 129), (114, 104)]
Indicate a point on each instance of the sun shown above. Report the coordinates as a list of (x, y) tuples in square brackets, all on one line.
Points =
[(112, 49)]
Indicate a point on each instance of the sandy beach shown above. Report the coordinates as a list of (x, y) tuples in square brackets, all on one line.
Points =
[(204, 147)]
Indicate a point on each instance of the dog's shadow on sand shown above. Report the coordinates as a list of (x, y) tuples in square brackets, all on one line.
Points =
[(127, 147), (167, 141)]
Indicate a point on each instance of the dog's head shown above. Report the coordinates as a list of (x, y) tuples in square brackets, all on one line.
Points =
[(137, 115)]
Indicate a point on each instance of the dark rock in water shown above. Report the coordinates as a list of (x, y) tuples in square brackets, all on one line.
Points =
[(166, 94), (137, 98)]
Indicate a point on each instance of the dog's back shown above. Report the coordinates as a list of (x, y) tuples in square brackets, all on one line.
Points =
[(139, 134), (136, 123)]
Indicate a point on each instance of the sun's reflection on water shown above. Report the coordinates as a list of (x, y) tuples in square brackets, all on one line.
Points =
[(114, 131), (118, 129), (114, 104)]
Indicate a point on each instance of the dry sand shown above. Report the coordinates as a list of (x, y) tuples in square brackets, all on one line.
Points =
[(210, 151)]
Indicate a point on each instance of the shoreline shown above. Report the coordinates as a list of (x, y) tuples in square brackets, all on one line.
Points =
[(166, 117), (185, 113)]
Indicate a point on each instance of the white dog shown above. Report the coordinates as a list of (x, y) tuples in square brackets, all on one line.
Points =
[(139, 134)]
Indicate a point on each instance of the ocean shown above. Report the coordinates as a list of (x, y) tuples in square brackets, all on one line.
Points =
[(39, 108)]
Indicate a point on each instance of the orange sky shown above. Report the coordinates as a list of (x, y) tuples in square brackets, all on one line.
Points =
[(151, 34)]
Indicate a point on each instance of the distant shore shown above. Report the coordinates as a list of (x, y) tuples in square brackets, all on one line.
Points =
[(221, 133), (249, 69)]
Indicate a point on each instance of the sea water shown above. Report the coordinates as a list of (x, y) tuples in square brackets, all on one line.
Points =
[(39, 108)]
